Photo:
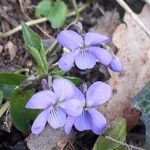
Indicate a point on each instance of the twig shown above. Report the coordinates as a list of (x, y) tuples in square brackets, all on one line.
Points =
[(4, 108), (134, 16), (37, 21), (124, 144)]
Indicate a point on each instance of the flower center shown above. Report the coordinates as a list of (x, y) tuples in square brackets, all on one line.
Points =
[(85, 108), (84, 48), (55, 105), (58, 102)]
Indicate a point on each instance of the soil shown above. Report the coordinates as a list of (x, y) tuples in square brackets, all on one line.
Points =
[(11, 16)]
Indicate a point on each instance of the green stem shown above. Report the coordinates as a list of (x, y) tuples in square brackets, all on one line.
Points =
[(4, 108), (76, 10)]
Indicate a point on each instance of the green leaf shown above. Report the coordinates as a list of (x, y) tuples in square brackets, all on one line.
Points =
[(8, 83), (1, 97), (75, 80), (55, 13), (142, 102), (36, 49), (40, 67), (117, 131), (43, 8), (58, 14), (121, 148), (56, 72), (31, 39), (11, 78), (22, 117)]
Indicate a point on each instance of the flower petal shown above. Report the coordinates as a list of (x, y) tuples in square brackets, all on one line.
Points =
[(67, 60), (92, 38), (70, 39), (116, 65), (39, 123), (98, 121), (82, 122), (72, 107), (101, 54), (85, 60), (63, 88), (56, 118), (79, 95), (41, 100), (98, 93), (69, 124)]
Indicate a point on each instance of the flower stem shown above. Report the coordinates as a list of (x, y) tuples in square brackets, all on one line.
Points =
[(76, 10)]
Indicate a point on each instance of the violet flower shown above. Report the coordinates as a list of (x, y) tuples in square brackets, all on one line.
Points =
[(116, 65), (55, 104), (90, 119), (84, 50)]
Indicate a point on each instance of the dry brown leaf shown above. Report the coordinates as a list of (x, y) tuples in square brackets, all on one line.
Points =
[(49, 139), (46, 140), (107, 23), (10, 49), (134, 51)]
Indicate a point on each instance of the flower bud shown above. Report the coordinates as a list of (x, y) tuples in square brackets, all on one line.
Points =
[(116, 65)]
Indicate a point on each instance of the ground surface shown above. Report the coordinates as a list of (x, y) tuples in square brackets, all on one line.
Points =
[(11, 16)]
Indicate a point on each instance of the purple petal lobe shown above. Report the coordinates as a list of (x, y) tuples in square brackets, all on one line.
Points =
[(101, 54), (98, 121), (72, 107), (69, 123), (82, 122), (85, 60), (63, 88), (95, 39), (98, 93), (79, 95), (116, 65), (70, 39), (40, 122), (41, 100), (56, 118), (67, 60)]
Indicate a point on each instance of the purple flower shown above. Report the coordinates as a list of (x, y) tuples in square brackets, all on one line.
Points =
[(90, 119), (116, 65), (55, 104), (84, 50)]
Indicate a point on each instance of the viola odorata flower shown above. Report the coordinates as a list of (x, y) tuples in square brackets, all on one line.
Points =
[(84, 50), (55, 104), (90, 118), (116, 65)]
